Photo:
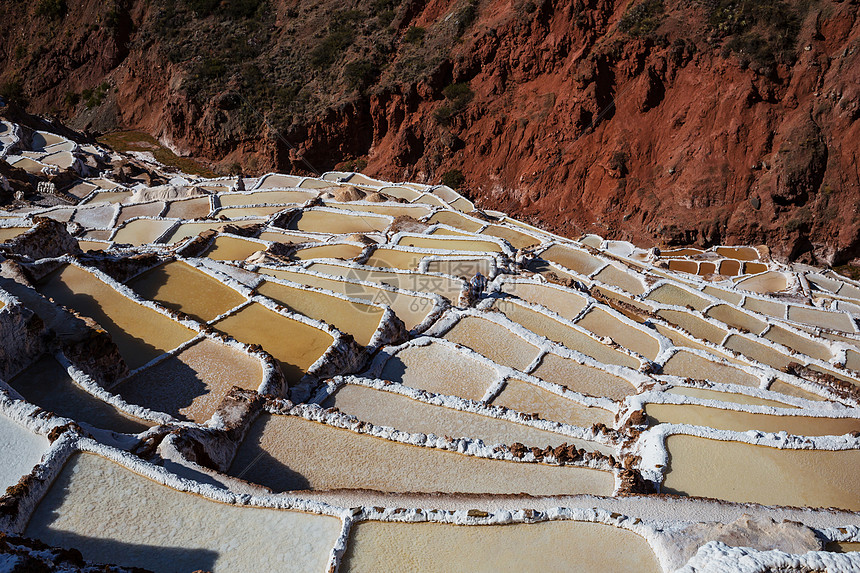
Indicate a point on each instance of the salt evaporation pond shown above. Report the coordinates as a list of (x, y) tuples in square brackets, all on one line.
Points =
[(145, 524), (548, 546), (22, 449), (291, 453)]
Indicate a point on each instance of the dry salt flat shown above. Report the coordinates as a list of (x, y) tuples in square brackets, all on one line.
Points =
[(307, 373)]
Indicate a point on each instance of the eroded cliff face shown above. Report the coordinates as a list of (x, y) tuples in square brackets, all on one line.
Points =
[(656, 122)]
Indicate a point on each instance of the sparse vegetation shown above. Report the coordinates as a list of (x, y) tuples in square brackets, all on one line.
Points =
[(761, 33), (139, 141), (414, 35), (12, 91), (642, 19), (52, 9), (360, 74), (458, 97), (453, 178)]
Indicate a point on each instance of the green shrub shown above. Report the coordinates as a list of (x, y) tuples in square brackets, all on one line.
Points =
[(453, 178), (52, 9), (642, 19), (72, 99), (13, 92), (458, 95), (762, 32), (414, 35), (341, 35), (360, 74)]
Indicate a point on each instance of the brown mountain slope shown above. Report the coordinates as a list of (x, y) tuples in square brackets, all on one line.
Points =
[(660, 122)]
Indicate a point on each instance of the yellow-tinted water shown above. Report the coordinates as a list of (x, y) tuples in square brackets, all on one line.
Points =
[(396, 411), (438, 244), (180, 286), (344, 252), (337, 223), (140, 333), (189, 209), (295, 345), (359, 320), (688, 365), (141, 231), (232, 249), (581, 378)]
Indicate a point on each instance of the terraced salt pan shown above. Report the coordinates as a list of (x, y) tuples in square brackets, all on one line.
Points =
[(687, 364), (140, 333), (295, 345), (581, 378), (394, 259), (9, 233), (440, 369), (142, 210), (285, 238), (336, 251), (237, 212), (447, 287), (573, 259), (546, 546), (46, 384), (22, 449), (412, 310), (278, 180), (765, 283), (447, 244), (732, 397), (109, 197), (360, 320), (561, 301), (528, 398), (802, 344), (324, 221), (189, 209), (188, 230), (833, 320), (757, 351), (790, 390), (736, 318), (737, 471), (141, 231), (602, 323), (227, 248), (142, 523), (570, 337), (414, 211), (493, 341), (292, 453), (191, 384), (264, 197), (740, 253), (738, 421), (180, 286), (695, 325), (763, 306), (457, 220), (676, 296), (516, 238), (403, 413)]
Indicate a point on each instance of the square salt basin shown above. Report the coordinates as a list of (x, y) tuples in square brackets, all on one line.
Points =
[(291, 453), (493, 341), (440, 369), (547, 546), (191, 385), (741, 472), (180, 286), (294, 344), (114, 515)]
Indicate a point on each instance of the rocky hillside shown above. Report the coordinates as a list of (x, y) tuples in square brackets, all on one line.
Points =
[(656, 121)]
